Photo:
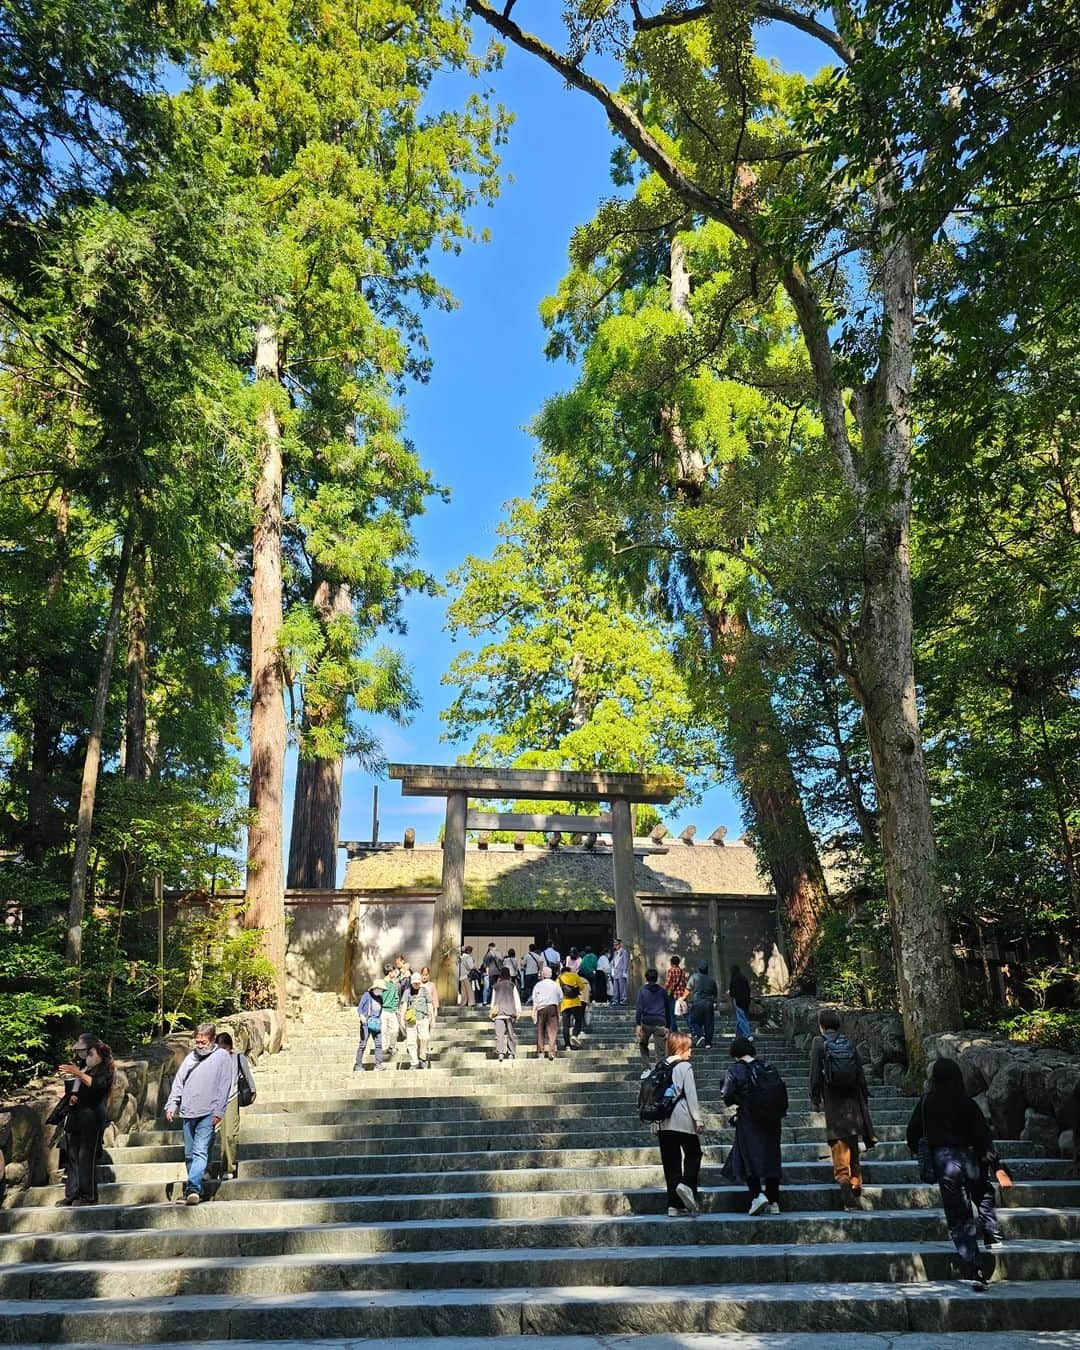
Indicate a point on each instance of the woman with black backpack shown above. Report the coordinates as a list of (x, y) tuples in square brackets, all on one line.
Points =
[(761, 1097), (679, 1132)]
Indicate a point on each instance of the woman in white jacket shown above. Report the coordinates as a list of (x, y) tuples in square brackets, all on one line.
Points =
[(679, 1135)]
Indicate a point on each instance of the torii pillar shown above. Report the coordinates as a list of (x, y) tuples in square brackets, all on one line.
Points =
[(457, 783)]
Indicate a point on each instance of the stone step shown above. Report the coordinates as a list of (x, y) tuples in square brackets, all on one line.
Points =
[(926, 1307), (229, 1208), (761, 1263), (783, 1340), (266, 1144), (512, 1177), (397, 1157), (483, 1234), (281, 1130)]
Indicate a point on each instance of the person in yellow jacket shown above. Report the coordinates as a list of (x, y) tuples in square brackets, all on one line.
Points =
[(575, 995)]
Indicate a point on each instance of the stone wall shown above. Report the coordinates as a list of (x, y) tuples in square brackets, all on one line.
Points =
[(319, 937), (721, 930), (1027, 1093), (878, 1036), (28, 1146)]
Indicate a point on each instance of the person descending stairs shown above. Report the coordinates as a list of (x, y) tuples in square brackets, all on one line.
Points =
[(509, 1201)]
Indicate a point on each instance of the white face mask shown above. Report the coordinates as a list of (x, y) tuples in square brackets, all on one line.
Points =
[(203, 1050)]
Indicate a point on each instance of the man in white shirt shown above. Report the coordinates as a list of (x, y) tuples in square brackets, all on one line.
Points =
[(546, 998)]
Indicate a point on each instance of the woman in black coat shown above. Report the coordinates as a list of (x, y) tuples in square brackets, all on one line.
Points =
[(755, 1154), (960, 1145), (94, 1073)]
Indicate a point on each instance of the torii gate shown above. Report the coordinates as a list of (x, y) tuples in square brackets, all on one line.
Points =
[(457, 783)]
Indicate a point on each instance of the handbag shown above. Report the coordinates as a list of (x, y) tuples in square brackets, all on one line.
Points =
[(244, 1094), (927, 1170), (681, 1007)]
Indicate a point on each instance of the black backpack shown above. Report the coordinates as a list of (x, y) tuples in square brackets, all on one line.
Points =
[(657, 1097), (767, 1096), (840, 1063)]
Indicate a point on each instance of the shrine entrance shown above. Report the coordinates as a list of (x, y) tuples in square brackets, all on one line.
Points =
[(457, 783)]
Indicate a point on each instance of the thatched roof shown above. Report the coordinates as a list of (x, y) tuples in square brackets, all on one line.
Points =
[(502, 877)]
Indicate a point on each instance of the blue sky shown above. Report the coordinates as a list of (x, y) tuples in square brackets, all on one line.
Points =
[(490, 378)]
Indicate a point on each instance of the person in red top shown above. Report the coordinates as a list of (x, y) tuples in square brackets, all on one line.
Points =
[(676, 986)]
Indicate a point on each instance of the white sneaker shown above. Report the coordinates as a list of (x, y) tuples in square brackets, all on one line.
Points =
[(758, 1204), (674, 1213), (192, 1198), (689, 1199), (774, 1208)]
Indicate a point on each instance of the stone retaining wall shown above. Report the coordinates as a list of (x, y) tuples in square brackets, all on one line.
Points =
[(878, 1036), (1025, 1093), (143, 1082)]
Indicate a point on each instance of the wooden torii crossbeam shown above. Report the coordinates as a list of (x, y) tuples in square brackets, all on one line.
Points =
[(457, 783)]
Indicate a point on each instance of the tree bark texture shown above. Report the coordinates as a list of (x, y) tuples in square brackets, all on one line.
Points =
[(265, 892), (317, 798), (92, 760)]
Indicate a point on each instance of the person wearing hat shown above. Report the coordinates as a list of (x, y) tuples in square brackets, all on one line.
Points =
[(704, 992), (369, 1010), (620, 974), (416, 1011)]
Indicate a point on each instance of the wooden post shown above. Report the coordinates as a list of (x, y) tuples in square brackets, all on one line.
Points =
[(716, 956), (446, 928), (628, 919)]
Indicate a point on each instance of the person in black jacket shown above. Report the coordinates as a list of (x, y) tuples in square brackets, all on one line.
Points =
[(93, 1073), (960, 1145), (755, 1154)]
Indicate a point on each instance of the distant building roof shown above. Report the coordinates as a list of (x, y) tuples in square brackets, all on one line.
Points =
[(568, 878)]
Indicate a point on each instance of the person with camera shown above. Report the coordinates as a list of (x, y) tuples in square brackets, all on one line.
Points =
[(88, 1085)]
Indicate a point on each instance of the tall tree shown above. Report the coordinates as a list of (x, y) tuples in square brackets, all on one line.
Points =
[(862, 166), (321, 116)]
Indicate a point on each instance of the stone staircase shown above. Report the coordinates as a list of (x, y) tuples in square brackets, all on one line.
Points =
[(520, 1202)]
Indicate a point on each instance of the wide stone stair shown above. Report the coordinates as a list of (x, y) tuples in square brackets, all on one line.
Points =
[(521, 1202)]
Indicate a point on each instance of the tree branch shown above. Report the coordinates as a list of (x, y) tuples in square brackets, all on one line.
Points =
[(626, 122), (770, 12)]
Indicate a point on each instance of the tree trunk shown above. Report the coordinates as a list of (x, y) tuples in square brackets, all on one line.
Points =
[(317, 799), (136, 763), (92, 759), (885, 675), (759, 752), (763, 767), (925, 969), (265, 893)]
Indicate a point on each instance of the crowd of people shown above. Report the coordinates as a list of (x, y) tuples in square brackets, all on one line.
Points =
[(947, 1131)]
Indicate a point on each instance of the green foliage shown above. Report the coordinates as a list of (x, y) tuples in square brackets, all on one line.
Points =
[(1045, 1029), (852, 962)]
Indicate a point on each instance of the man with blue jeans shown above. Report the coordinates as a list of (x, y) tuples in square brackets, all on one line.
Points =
[(652, 1017), (739, 993), (200, 1093)]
